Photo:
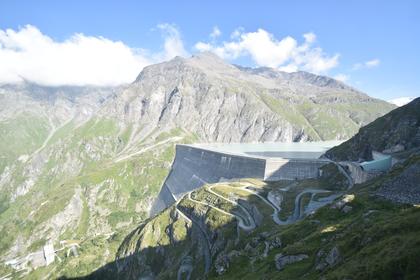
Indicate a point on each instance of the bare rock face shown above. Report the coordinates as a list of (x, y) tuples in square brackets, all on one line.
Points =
[(403, 188), (281, 260), (327, 259), (333, 256), (343, 201), (219, 102), (186, 93), (395, 149), (347, 209), (275, 243)]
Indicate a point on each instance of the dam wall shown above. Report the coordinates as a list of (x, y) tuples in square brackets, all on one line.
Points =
[(195, 166), (289, 169)]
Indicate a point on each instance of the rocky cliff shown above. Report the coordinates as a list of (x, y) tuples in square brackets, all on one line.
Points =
[(220, 102)]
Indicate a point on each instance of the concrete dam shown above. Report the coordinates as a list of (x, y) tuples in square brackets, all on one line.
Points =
[(200, 164)]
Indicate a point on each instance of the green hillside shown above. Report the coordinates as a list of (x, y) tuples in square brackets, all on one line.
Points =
[(396, 132), (358, 236)]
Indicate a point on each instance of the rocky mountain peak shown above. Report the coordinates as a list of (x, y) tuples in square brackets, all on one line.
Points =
[(211, 64), (209, 56)]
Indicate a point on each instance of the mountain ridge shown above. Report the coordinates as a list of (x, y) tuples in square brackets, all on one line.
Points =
[(184, 75), (396, 132)]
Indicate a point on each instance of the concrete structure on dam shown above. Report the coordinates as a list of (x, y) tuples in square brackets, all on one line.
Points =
[(196, 165)]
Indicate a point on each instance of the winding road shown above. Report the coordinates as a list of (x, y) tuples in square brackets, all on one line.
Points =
[(298, 201), (250, 224)]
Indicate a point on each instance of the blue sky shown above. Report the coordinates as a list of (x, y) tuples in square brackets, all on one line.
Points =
[(372, 45)]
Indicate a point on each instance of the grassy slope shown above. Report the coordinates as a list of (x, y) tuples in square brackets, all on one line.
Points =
[(326, 121), (384, 245), (135, 180), (155, 233), (124, 190), (21, 135), (376, 239), (397, 127)]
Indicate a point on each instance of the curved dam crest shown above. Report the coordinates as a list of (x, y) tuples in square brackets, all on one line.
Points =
[(196, 165)]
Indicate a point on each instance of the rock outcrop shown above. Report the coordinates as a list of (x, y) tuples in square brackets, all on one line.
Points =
[(281, 261), (404, 187), (327, 259)]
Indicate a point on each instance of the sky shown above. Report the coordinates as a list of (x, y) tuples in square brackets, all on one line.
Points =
[(371, 45)]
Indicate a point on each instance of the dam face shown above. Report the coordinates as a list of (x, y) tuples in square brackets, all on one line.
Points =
[(292, 169), (193, 167), (196, 165)]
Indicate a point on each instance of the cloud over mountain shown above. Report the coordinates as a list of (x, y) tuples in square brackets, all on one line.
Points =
[(266, 50), (28, 54)]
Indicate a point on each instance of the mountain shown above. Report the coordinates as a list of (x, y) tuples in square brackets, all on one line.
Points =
[(65, 180), (395, 133), (220, 102), (80, 166), (303, 229)]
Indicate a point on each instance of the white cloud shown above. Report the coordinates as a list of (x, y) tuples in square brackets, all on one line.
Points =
[(266, 50), (27, 54), (341, 77), (401, 101), (203, 47), (215, 33), (372, 63), (368, 64), (309, 37), (237, 33), (173, 45)]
